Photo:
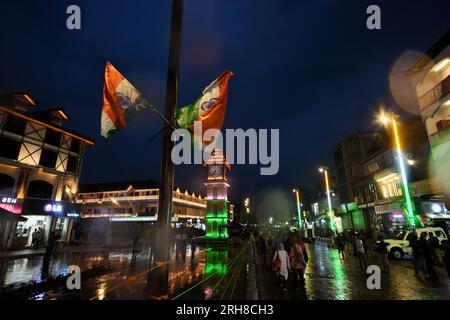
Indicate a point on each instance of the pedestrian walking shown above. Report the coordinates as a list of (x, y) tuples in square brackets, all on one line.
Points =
[(298, 263), (447, 257), (383, 254), (288, 242), (354, 238), (428, 256), (50, 246), (417, 258), (340, 244), (34, 239), (361, 253), (281, 265), (435, 246)]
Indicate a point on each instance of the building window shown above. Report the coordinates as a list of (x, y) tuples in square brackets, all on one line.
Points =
[(40, 189), (9, 148), (53, 138), (6, 185), (72, 164), (75, 146), (15, 125), (48, 158)]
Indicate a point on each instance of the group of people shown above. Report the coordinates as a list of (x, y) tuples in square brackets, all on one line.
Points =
[(37, 237), (286, 254), (356, 240), (427, 253)]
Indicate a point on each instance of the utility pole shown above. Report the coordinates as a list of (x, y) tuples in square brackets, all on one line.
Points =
[(159, 277)]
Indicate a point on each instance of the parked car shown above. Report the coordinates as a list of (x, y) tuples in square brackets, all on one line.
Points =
[(398, 245)]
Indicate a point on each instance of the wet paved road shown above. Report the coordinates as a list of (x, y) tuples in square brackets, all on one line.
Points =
[(328, 277), (129, 276), (213, 273)]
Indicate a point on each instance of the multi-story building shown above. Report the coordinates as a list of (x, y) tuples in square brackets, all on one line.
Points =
[(432, 79), (40, 163), (348, 155), (116, 209), (381, 188), (136, 201)]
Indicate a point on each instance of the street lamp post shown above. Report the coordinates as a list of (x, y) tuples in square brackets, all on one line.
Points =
[(299, 211), (330, 209), (385, 119)]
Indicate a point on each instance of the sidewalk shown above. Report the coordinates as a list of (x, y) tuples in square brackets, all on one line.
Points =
[(17, 254), (25, 253)]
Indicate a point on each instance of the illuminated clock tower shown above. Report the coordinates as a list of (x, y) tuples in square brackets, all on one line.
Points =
[(217, 204)]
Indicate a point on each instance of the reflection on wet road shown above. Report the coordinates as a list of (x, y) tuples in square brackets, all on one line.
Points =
[(128, 278)]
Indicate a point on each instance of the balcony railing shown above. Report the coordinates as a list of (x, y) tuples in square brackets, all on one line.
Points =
[(440, 137), (435, 94)]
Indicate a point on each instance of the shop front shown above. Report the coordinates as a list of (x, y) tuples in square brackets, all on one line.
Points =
[(392, 216), (435, 214), (40, 217), (352, 216), (10, 210)]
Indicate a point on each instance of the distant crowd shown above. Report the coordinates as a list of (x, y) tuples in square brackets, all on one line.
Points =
[(286, 254)]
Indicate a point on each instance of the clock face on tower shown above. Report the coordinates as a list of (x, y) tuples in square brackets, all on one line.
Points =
[(215, 171)]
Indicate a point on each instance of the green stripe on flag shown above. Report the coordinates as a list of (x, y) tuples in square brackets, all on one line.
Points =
[(188, 114)]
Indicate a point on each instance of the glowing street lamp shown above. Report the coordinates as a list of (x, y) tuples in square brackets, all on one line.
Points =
[(387, 119), (247, 204), (299, 211), (330, 209)]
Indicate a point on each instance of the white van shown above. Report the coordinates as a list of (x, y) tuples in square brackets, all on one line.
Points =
[(398, 246)]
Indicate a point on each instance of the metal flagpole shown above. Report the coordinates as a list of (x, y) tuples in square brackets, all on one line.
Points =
[(158, 280)]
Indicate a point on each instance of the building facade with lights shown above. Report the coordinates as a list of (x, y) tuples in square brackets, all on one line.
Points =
[(40, 163), (218, 208), (381, 188), (432, 83), (348, 155), (104, 205)]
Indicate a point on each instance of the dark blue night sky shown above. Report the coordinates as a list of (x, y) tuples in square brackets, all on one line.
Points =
[(310, 68)]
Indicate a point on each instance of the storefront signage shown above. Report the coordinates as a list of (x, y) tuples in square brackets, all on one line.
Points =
[(9, 200), (372, 167), (388, 207), (73, 215), (13, 205), (48, 207), (55, 208)]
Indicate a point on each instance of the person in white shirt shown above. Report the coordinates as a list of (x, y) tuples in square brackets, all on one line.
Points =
[(282, 265)]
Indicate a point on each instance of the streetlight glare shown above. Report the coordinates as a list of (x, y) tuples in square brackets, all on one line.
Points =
[(321, 170), (384, 118)]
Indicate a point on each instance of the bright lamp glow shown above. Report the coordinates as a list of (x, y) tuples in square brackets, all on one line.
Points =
[(436, 208), (384, 118)]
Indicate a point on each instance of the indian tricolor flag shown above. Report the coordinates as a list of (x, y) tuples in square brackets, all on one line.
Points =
[(121, 101), (209, 108)]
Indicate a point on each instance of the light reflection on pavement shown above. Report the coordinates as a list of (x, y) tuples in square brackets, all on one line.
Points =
[(184, 270)]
